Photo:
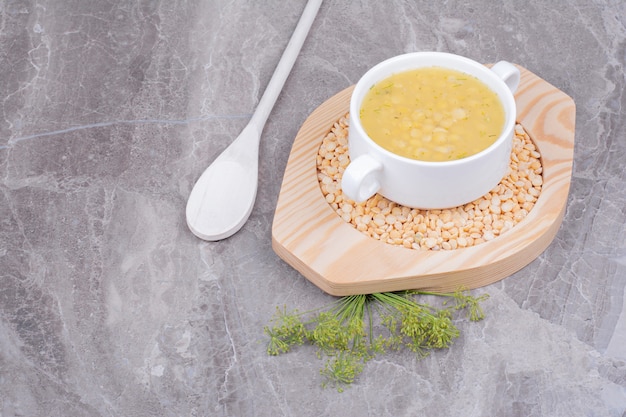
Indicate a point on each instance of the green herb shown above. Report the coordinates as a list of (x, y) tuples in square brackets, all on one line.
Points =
[(356, 328)]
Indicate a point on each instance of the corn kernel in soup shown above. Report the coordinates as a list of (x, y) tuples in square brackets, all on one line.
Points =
[(432, 114)]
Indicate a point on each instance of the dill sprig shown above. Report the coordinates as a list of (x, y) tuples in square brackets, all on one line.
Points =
[(347, 334)]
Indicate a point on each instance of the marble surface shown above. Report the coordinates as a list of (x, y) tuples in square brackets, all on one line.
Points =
[(109, 306)]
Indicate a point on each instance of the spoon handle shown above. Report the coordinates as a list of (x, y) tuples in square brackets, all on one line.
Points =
[(285, 64)]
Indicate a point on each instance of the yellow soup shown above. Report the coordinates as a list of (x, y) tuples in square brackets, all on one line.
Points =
[(432, 114)]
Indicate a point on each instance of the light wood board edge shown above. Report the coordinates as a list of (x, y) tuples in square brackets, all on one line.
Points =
[(313, 239)]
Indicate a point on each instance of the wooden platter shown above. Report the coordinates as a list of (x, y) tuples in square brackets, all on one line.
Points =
[(340, 260)]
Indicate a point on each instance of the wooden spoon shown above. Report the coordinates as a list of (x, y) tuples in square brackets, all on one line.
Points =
[(222, 199)]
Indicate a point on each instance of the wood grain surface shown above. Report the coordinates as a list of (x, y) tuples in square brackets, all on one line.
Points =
[(313, 239)]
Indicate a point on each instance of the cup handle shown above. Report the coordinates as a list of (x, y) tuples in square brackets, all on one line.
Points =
[(508, 73), (361, 180)]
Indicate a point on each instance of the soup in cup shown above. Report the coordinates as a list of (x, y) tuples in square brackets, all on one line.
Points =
[(430, 130)]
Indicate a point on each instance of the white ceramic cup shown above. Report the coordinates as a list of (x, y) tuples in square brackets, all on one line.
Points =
[(422, 184)]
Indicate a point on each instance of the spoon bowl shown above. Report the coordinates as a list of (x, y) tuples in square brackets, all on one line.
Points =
[(222, 198)]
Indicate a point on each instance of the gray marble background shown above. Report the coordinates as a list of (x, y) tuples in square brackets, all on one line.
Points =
[(109, 306)]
